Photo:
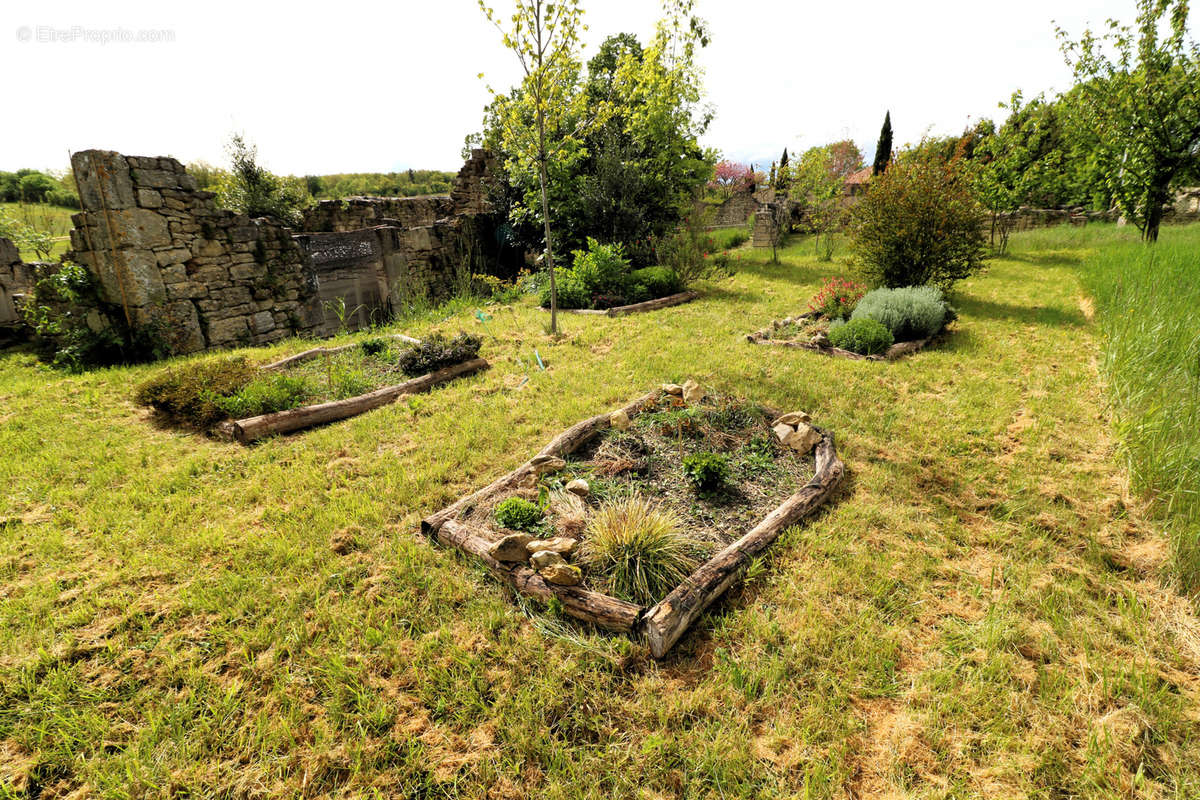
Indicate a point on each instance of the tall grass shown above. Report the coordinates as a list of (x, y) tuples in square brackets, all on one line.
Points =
[(1148, 304)]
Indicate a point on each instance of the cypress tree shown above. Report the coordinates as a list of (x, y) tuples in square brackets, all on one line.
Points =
[(883, 150)]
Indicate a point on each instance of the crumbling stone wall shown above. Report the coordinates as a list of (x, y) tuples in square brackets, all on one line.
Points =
[(166, 255), (733, 213), (16, 282)]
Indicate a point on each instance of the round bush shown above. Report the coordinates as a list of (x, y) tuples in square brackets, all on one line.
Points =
[(914, 312), (863, 335), (518, 514), (659, 281)]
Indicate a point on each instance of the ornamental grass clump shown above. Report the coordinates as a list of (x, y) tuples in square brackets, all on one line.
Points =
[(191, 393), (913, 312), (637, 550)]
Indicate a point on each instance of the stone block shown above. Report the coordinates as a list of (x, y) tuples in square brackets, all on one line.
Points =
[(103, 180), (262, 322), (227, 331), (148, 198)]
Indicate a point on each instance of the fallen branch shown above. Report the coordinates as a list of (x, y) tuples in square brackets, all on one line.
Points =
[(635, 308), (253, 428)]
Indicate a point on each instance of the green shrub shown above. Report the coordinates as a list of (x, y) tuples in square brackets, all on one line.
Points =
[(571, 291), (518, 514), (657, 281), (707, 472), (919, 225), (264, 395), (435, 353), (637, 550), (598, 278), (190, 393), (863, 335), (914, 312), (375, 347)]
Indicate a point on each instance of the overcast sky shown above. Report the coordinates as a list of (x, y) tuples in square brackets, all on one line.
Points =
[(377, 85)]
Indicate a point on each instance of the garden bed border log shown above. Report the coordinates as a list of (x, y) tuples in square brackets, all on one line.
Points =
[(251, 429), (898, 350), (664, 623), (636, 308)]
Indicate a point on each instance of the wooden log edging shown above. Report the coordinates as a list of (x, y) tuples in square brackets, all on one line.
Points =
[(315, 352), (898, 350), (664, 623), (635, 308), (251, 429), (670, 617)]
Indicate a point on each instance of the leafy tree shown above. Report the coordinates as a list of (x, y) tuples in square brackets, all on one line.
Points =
[(34, 186), (1139, 96), (250, 189), (920, 224), (883, 149), (545, 38), (629, 164), (783, 175)]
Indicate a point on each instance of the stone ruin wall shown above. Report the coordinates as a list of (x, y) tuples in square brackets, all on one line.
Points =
[(165, 255), (733, 213), (16, 282)]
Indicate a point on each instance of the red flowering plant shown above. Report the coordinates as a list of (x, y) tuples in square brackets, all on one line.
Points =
[(837, 298)]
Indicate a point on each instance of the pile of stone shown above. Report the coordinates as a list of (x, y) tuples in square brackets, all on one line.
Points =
[(793, 429), (548, 557)]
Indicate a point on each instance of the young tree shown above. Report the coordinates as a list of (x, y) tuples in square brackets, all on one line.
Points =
[(819, 176), (544, 35), (784, 174), (250, 189), (1143, 104), (883, 149)]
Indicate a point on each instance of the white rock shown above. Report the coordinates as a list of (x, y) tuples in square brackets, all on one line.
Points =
[(546, 464), (511, 548), (546, 558), (803, 439), (579, 487), (559, 544), (782, 432), (672, 388), (620, 420), (793, 418), (562, 574), (692, 393)]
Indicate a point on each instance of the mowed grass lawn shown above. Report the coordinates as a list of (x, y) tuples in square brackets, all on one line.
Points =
[(982, 612)]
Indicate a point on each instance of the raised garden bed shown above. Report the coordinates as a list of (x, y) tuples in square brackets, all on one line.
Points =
[(635, 308), (236, 400), (649, 455), (808, 331)]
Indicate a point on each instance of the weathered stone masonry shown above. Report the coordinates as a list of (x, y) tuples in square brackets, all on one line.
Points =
[(16, 282), (165, 254)]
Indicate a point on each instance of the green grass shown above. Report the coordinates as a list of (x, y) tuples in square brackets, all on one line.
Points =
[(971, 618), (54, 220), (1148, 306)]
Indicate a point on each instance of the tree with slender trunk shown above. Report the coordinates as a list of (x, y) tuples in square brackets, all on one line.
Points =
[(545, 38), (883, 150), (1140, 102)]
